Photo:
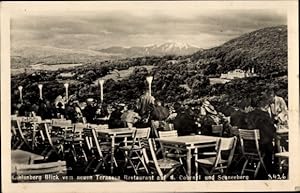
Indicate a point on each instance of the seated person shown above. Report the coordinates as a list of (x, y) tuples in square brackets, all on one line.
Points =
[(115, 117), (184, 123), (260, 119), (129, 117)]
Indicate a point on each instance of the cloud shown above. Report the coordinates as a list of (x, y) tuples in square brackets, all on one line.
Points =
[(129, 28)]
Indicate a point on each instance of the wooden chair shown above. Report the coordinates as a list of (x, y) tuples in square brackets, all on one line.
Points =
[(74, 143), (217, 130), (249, 140), (237, 158), (53, 143), (135, 153), (164, 167), (15, 138), (170, 151), (23, 136), (164, 134), (217, 163), (99, 152)]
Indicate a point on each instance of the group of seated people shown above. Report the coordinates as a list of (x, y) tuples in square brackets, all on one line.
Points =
[(267, 114)]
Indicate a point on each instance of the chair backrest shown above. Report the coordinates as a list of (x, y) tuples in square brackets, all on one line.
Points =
[(164, 134), (142, 133), (34, 119), (217, 129), (91, 139), (228, 145), (28, 119), (59, 167), (248, 134), (140, 136), (61, 123), (78, 127), (249, 140)]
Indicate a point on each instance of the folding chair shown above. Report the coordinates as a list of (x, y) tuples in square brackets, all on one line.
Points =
[(99, 152), (164, 134), (164, 167), (171, 152), (74, 143), (15, 139), (237, 158), (249, 140), (135, 153), (217, 130), (218, 162), (52, 144), (23, 137)]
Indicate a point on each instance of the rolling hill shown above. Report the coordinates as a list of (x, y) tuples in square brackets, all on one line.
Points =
[(264, 49), (25, 56)]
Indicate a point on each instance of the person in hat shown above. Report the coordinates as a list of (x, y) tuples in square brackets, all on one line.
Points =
[(208, 108), (208, 117)]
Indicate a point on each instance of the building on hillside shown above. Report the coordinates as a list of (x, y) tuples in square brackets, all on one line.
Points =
[(65, 75), (238, 73)]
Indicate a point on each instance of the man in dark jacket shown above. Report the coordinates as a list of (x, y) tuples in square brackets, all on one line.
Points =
[(184, 123), (260, 119), (115, 117), (89, 111)]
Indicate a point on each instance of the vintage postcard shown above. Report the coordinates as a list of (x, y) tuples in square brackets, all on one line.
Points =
[(149, 96)]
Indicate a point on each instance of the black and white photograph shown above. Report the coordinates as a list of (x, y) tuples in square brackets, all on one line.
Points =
[(125, 92)]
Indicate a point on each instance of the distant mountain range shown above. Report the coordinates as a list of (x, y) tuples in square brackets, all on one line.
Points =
[(168, 48), (24, 56)]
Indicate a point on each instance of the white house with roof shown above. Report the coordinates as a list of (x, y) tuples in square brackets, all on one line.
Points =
[(238, 73)]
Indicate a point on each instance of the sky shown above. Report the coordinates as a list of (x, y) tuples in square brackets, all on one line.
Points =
[(128, 26)]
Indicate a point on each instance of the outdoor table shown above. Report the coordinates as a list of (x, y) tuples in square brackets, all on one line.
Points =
[(191, 142), (113, 134)]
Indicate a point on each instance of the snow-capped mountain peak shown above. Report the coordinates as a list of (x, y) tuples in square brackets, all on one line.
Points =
[(167, 48)]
